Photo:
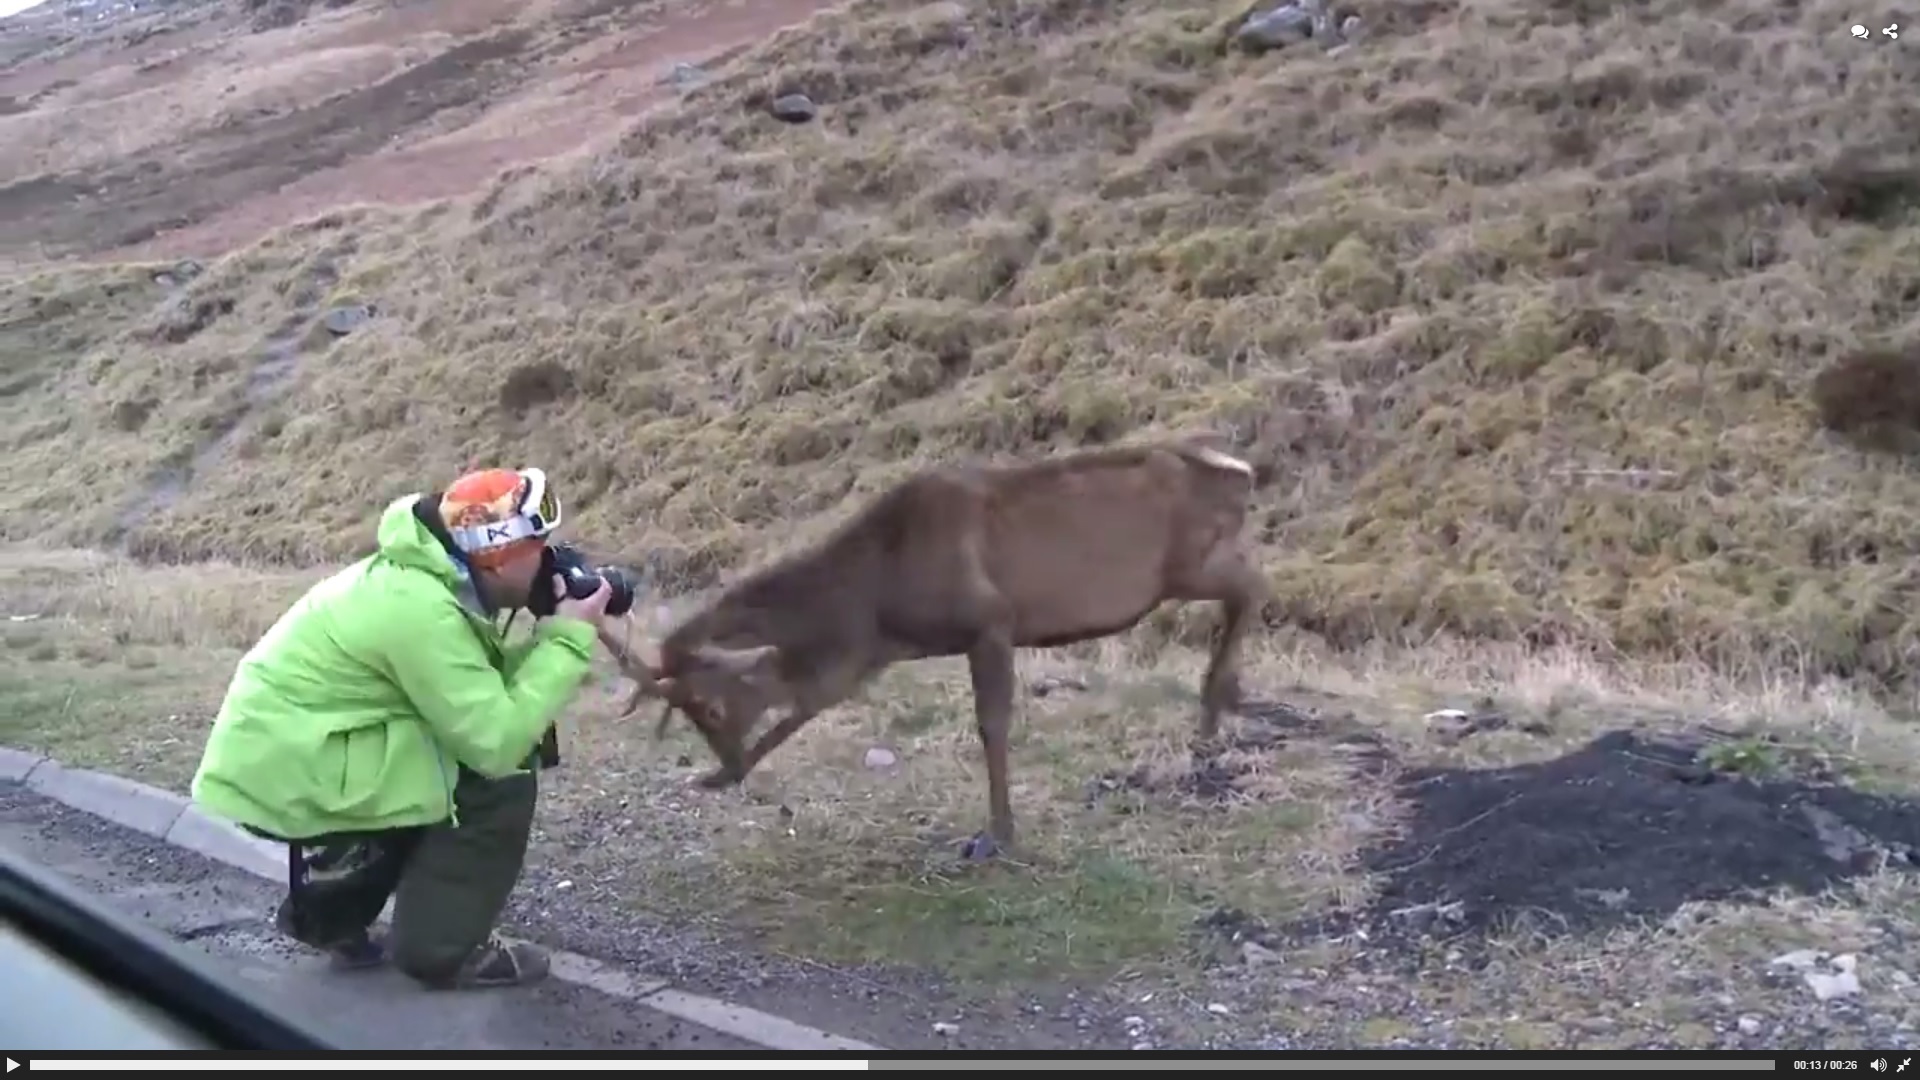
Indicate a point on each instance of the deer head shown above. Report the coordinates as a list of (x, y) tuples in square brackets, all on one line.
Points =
[(722, 692)]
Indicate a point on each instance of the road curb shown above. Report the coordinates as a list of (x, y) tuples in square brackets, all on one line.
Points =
[(176, 820), (17, 765)]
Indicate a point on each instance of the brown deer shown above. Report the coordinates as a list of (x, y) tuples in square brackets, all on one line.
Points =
[(975, 561)]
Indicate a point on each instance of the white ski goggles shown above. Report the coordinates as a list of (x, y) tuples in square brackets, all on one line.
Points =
[(538, 516)]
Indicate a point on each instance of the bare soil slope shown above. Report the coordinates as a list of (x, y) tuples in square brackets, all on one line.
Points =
[(190, 128)]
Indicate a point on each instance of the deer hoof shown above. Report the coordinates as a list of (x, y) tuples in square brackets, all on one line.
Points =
[(717, 779), (980, 848)]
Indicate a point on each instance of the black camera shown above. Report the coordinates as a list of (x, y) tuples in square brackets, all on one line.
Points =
[(582, 579)]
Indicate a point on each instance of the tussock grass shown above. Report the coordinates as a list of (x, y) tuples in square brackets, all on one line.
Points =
[(1522, 307), (1519, 304), (112, 665), (827, 854)]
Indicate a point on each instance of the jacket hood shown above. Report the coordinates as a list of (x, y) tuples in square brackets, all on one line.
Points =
[(406, 541)]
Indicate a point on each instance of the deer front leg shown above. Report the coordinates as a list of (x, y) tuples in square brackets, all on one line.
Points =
[(778, 734), (991, 664), (829, 685), (726, 774)]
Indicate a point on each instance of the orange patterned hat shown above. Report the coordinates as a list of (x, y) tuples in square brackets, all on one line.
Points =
[(496, 514)]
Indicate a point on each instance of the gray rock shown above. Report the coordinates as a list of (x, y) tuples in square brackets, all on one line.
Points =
[(1048, 684), (686, 76), (1286, 25), (1749, 1025), (342, 321), (1839, 841), (879, 757), (1295, 22), (794, 108)]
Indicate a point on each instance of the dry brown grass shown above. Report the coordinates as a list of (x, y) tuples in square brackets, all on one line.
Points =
[(823, 856), (1520, 301), (122, 667)]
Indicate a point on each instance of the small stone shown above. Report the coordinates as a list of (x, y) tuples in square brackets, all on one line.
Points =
[(879, 757), (1749, 1025), (1143, 1045), (1798, 960), (1845, 963), (342, 321), (1218, 1009), (944, 1029), (1828, 987), (794, 108), (564, 886), (1134, 1022), (1255, 954), (1048, 684)]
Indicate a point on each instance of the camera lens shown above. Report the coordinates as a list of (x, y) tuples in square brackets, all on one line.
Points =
[(622, 599)]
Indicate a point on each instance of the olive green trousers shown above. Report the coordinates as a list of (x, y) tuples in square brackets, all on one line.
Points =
[(448, 885)]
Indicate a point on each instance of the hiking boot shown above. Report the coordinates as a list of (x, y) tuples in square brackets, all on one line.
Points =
[(357, 952), (498, 963)]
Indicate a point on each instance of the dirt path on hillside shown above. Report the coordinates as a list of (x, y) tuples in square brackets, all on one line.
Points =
[(504, 93)]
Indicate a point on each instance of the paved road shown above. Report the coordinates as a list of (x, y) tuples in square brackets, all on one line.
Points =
[(224, 914)]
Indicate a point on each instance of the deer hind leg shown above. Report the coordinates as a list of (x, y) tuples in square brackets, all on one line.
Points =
[(1242, 590)]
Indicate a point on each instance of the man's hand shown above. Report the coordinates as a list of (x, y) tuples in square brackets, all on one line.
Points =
[(589, 610)]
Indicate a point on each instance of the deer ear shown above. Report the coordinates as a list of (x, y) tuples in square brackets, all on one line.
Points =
[(748, 664)]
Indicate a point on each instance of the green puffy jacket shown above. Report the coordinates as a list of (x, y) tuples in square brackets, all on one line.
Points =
[(352, 712)]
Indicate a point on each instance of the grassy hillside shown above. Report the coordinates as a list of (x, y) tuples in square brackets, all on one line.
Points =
[(1519, 302)]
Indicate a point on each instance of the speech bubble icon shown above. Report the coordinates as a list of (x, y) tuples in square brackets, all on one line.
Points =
[(1858, 30)]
